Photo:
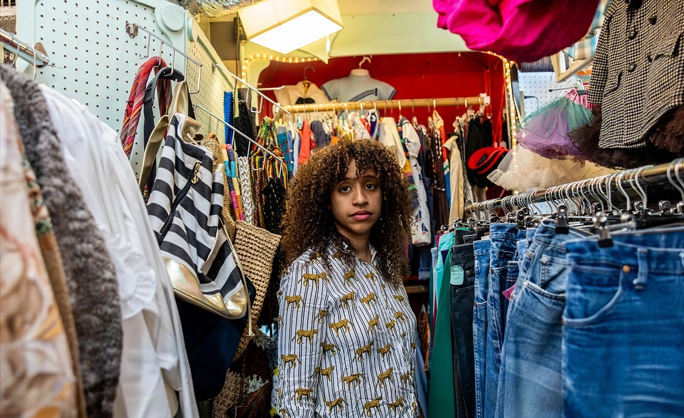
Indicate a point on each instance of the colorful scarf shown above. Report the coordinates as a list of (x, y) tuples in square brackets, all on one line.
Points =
[(134, 104)]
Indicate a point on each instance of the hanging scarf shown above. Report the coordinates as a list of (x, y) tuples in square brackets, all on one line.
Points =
[(264, 167), (129, 128)]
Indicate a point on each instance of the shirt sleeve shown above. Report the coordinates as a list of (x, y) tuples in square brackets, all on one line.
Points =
[(599, 66), (303, 324)]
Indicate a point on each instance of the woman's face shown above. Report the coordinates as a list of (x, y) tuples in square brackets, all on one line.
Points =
[(356, 203)]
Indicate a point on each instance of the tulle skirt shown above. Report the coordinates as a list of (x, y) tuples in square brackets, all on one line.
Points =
[(665, 142), (546, 131), (523, 170)]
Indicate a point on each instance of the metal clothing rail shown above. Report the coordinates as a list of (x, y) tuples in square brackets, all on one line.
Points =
[(482, 100), (132, 30), (24, 50), (261, 95), (598, 187), (234, 129)]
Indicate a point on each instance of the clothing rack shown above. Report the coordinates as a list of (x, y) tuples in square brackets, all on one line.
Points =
[(254, 89), (598, 187), (237, 131), (132, 30), (482, 100), (24, 50)]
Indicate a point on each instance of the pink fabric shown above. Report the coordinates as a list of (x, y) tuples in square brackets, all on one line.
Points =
[(520, 30), (508, 292)]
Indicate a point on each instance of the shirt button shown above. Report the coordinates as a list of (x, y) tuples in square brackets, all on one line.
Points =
[(626, 269), (631, 67), (631, 34)]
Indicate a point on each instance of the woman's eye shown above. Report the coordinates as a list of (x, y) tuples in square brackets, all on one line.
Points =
[(371, 186), (345, 189)]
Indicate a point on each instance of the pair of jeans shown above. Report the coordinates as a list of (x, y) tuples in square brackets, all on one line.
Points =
[(532, 346), (503, 238), (462, 300), (482, 250), (624, 326), (441, 400)]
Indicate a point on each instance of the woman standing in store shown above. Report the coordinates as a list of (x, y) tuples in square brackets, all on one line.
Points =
[(346, 337)]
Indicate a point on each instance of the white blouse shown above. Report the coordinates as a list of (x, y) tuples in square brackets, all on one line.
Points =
[(345, 342)]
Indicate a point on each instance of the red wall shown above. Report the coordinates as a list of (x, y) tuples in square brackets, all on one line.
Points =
[(414, 76)]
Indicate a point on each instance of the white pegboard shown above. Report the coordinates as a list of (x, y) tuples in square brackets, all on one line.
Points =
[(214, 83), (537, 86), (94, 60)]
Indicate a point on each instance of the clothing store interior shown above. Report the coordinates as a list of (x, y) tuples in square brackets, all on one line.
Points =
[(150, 150)]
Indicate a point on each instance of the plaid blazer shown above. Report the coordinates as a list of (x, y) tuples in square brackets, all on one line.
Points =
[(638, 70)]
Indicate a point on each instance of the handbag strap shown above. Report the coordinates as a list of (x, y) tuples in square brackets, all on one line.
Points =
[(151, 150), (165, 74)]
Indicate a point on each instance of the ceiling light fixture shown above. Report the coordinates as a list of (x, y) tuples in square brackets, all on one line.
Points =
[(287, 25)]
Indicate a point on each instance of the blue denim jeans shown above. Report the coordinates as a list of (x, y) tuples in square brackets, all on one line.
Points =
[(462, 299), (503, 238), (623, 333), (532, 347), (482, 250)]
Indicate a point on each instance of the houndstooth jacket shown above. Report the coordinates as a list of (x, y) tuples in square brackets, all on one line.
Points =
[(638, 70)]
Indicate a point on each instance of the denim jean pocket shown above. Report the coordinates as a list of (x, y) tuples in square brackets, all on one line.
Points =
[(553, 274), (590, 301)]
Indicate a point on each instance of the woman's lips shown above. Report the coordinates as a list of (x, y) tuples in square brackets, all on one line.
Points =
[(362, 215)]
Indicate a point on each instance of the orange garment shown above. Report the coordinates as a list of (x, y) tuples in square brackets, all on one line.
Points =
[(334, 140), (306, 143)]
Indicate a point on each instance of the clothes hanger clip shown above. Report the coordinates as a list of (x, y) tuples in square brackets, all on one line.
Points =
[(601, 224)]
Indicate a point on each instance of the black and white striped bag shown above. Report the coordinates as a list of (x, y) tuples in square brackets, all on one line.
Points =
[(184, 208)]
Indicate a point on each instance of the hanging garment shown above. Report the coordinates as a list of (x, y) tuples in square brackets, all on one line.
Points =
[(441, 203), (441, 396), (245, 177), (522, 169), (634, 286), (304, 92), (357, 88), (389, 136), (134, 104), (638, 79), (90, 273), (520, 30), (321, 138), (546, 131), (479, 136), (438, 130), (638, 84), (35, 361), (305, 143), (420, 231), (457, 205), (245, 124)]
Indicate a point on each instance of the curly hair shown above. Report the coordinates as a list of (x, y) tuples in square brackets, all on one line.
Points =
[(309, 223)]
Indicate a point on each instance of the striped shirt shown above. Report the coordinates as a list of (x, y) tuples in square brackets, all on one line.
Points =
[(345, 343)]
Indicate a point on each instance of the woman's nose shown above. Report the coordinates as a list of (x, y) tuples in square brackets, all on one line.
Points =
[(360, 197)]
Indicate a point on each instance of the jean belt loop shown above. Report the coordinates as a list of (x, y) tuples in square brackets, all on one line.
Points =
[(681, 257), (642, 275)]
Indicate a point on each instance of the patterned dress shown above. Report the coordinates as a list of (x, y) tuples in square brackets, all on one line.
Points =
[(346, 342)]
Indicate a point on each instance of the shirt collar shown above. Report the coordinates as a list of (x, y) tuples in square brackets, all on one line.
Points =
[(373, 251)]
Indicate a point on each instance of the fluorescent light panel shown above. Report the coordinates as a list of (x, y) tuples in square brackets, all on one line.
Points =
[(298, 32)]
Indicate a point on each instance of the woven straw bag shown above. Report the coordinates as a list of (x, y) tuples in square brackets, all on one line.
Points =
[(256, 249)]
